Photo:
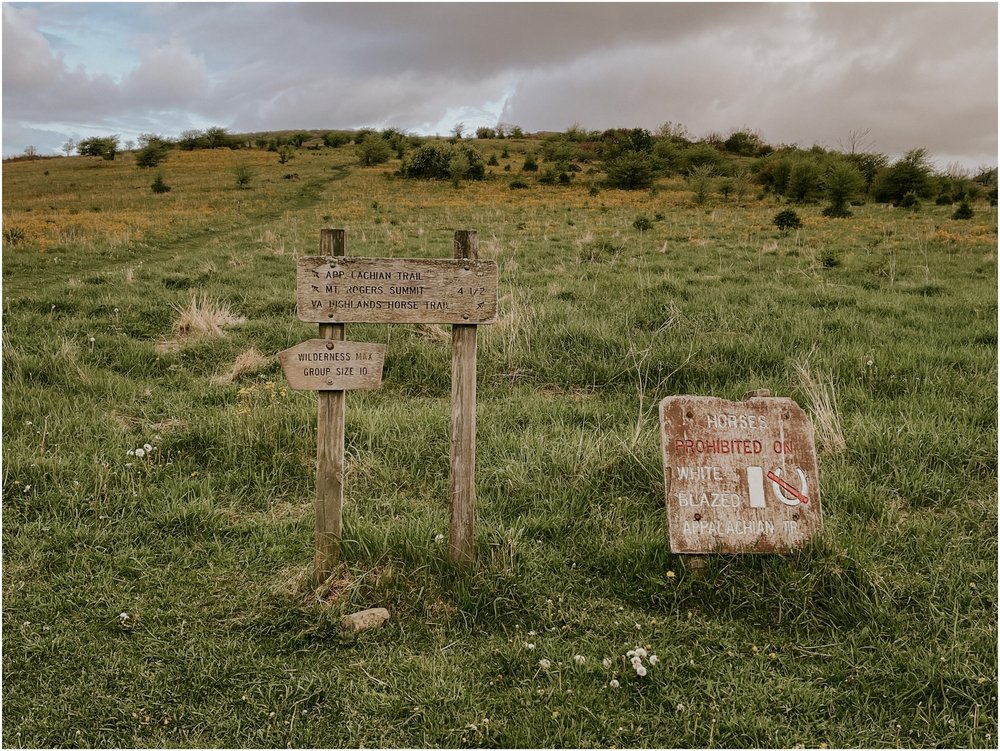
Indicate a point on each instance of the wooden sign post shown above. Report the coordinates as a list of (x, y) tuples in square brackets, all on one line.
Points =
[(333, 289), (740, 477), (463, 423)]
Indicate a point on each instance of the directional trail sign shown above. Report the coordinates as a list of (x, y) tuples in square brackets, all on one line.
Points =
[(396, 290), (740, 477)]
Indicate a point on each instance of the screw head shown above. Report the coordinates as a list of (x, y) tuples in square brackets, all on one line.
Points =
[(697, 517), (329, 345), (329, 381)]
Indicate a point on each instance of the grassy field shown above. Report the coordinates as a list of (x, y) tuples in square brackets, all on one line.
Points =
[(161, 597)]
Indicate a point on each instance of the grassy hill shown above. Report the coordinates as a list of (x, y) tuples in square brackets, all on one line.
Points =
[(160, 596)]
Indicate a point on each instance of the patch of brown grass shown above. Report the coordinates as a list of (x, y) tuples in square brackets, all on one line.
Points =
[(248, 361), (823, 406)]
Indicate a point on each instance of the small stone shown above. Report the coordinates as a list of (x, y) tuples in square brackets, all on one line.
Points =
[(365, 619)]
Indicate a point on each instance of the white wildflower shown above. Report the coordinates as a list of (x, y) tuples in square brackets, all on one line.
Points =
[(439, 538), (131, 452), (640, 652), (147, 447), (529, 645), (579, 659), (606, 662), (139, 453), (544, 664), (614, 683), (653, 659), (640, 670)]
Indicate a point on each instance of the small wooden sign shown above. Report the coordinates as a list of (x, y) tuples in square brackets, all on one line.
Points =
[(328, 365), (740, 477), (396, 290)]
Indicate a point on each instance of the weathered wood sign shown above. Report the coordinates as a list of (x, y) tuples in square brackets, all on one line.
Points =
[(740, 477), (333, 289), (396, 290), (328, 365)]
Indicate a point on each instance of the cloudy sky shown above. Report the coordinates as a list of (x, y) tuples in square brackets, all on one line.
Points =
[(910, 74)]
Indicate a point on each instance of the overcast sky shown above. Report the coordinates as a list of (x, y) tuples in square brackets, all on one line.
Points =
[(911, 74)]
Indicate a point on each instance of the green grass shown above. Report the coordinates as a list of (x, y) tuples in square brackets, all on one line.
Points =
[(883, 632)]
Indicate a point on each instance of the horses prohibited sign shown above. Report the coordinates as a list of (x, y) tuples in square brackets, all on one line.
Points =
[(740, 477)]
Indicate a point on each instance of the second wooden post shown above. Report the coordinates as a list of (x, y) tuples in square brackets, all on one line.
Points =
[(461, 547), (329, 444)]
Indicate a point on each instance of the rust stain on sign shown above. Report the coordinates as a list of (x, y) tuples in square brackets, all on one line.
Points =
[(328, 365), (740, 477), (396, 290)]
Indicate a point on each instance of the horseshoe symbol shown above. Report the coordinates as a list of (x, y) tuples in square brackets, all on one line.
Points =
[(778, 484)]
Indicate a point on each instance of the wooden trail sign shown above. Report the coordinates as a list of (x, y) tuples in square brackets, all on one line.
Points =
[(332, 290), (327, 365), (740, 477), (397, 290)]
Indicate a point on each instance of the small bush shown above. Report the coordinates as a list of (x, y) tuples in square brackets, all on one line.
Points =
[(374, 150), (518, 184), (643, 223), (828, 259), (909, 201), (786, 220), (964, 211), (530, 165), (243, 175), (152, 154), (159, 186)]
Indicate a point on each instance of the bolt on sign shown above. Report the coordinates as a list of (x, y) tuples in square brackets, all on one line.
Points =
[(397, 290), (328, 365), (740, 477)]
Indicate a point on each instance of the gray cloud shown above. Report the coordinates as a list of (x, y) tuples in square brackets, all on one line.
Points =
[(914, 74)]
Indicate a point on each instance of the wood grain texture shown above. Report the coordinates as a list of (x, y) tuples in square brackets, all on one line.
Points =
[(461, 528), (396, 290), (328, 365), (329, 446)]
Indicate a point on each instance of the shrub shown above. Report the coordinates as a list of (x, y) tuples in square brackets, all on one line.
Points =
[(701, 178), (518, 184), (493, 162), (805, 182), (153, 153), (530, 165), (106, 147), (910, 174), (438, 160), (964, 211), (285, 154), (643, 223), (335, 139), (631, 170), (786, 220), (843, 181), (159, 186), (909, 201), (374, 150), (243, 175)]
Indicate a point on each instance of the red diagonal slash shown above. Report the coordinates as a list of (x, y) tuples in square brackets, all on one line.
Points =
[(794, 491)]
